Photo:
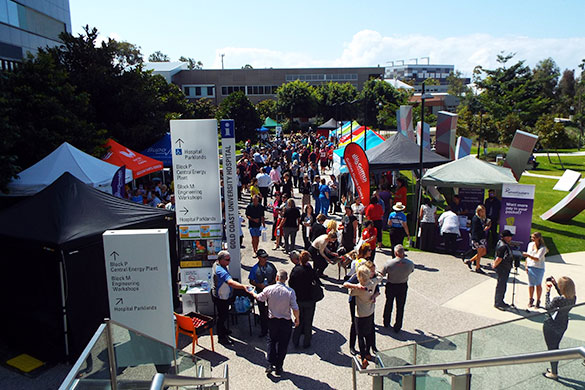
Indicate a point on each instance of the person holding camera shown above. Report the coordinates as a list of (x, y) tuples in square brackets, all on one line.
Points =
[(557, 316), (503, 266), (535, 267)]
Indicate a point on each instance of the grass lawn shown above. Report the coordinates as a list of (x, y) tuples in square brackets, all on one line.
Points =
[(553, 168), (559, 238)]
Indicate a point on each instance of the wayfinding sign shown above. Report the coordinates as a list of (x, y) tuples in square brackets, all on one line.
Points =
[(138, 272), (196, 171), (230, 190)]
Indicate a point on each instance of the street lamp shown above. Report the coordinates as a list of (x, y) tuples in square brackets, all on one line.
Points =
[(423, 97)]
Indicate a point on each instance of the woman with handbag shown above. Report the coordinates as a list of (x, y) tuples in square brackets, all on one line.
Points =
[(301, 279)]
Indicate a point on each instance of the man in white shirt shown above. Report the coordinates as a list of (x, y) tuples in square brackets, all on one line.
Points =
[(281, 301), (449, 223), (263, 184)]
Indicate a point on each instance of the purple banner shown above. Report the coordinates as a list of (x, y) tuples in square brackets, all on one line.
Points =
[(118, 183), (470, 199), (516, 212)]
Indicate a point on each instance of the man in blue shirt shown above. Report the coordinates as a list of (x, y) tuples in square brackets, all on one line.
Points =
[(262, 274), (221, 293)]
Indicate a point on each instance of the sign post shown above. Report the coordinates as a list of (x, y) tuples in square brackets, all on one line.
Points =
[(516, 212), (232, 217), (138, 272)]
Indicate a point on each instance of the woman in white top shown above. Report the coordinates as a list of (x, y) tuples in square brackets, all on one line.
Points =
[(428, 218), (535, 266)]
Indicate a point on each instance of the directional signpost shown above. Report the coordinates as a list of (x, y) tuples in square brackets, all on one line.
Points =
[(232, 218), (196, 171), (138, 272)]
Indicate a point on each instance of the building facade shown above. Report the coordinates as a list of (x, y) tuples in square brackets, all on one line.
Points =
[(26, 25), (416, 74), (261, 84)]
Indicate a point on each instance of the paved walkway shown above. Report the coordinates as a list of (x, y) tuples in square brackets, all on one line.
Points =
[(444, 297)]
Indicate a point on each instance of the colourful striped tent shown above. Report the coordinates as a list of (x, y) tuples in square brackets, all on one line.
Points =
[(372, 138), (358, 134), (345, 129)]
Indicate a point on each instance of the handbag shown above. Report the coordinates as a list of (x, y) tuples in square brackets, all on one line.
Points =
[(316, 291)]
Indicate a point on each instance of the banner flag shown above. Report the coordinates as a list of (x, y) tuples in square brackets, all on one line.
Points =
[(118, 183), (359, 169), (516, 212)]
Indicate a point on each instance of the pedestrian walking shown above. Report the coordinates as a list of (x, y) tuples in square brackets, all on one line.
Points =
[(397, 272)]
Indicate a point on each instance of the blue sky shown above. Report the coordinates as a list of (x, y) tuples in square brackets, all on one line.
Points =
[(343, 33)]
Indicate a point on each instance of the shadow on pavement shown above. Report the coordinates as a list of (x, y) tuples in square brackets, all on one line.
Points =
[(300, 381)]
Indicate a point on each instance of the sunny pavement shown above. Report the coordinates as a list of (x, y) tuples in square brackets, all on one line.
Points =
[(444, 297)]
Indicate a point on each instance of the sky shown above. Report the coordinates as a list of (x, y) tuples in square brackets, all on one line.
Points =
[(323, 33)]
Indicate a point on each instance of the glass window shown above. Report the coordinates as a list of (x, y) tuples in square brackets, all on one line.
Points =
[(197, 91), (186, 91), (210, 91), (3, 11), (12, 8), (255, 90), (250, 90), (354, 76), (230, 90), (261, 90), (224, 91)]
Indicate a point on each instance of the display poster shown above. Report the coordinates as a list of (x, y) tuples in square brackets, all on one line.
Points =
[(199, 245), (230, 191), (138, 273), (516, 212), (470, 199), (196, 171)]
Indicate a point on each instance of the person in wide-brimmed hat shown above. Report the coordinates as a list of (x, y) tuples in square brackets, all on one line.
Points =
[(398, 226)]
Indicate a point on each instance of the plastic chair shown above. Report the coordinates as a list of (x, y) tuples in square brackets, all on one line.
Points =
[(192, 324)]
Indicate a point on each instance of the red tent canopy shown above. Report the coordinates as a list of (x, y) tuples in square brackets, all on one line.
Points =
[(139, 164)]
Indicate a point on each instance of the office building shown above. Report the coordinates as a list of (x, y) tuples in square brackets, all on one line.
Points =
[(257, 84), (27, 25), (415, 74)]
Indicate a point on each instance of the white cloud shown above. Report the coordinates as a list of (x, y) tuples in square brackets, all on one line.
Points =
[(370, 48)]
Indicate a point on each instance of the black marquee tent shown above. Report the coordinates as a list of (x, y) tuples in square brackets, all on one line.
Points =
[(400, 153), (53, 283)]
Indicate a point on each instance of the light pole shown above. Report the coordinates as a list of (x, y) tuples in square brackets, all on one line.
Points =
[(423, 97)]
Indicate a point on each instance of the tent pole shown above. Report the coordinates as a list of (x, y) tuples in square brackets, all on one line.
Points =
[(63, 300)]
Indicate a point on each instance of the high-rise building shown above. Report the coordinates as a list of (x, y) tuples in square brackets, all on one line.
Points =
[(26, 25)]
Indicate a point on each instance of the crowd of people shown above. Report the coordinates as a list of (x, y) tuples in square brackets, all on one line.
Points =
[(290, 186)]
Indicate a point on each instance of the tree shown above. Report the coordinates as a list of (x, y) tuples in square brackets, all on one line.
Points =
[(432, 81), (566, 94), (267, 108), (456, 85), (158, 56), (546, 77), (126, 54), (40, 109), (247, 66), (192, 63), (204, 109), (378, 100), (507, 127), (551, 135), (333, 100), (296, 99), (512, 89), (238, 107)]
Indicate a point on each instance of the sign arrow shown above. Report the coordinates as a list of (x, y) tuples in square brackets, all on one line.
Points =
[(119, 301), (115, 254), (180, 142), (184, 210)]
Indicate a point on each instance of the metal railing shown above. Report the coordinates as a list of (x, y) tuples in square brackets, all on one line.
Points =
[(536, 357), (159, 380), (162, 380)]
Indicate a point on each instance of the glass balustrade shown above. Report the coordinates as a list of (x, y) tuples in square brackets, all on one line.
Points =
[(521, 336)]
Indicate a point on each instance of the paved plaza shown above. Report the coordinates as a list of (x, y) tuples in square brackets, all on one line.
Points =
[(444, 297)]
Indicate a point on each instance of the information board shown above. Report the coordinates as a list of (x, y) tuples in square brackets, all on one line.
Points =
[(138, 272), (196, 171), (516, 212)]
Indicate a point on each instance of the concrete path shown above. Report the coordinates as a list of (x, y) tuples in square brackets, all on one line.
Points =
[(444, 298)]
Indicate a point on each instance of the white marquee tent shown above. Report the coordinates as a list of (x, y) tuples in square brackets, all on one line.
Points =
[(66, 158)]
